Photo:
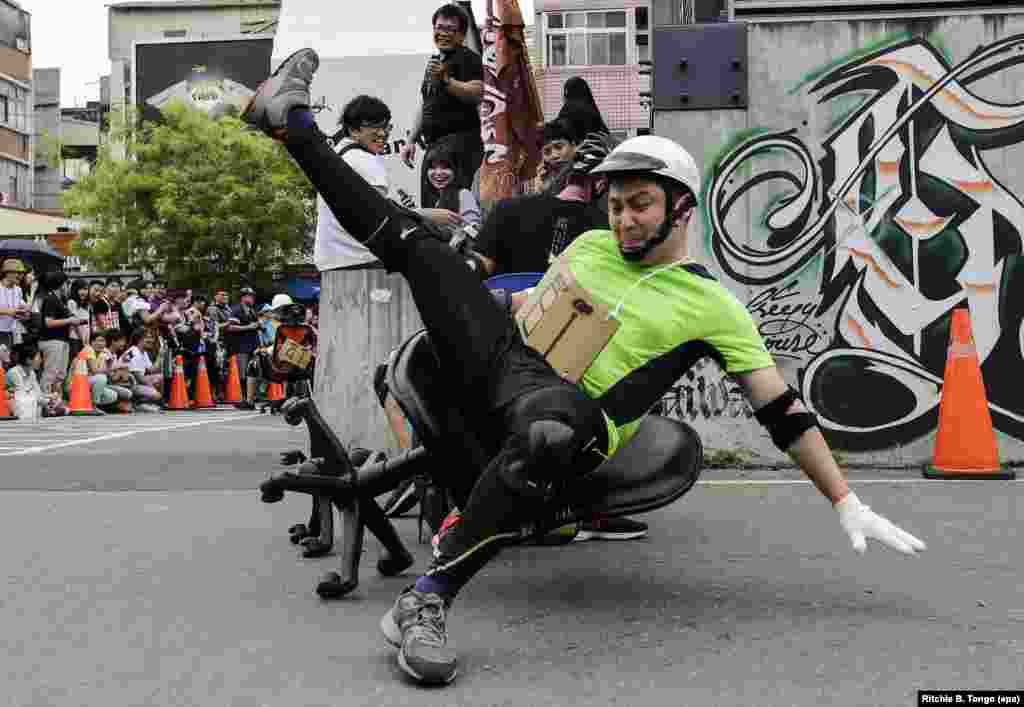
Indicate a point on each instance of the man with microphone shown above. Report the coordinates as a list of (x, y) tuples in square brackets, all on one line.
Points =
[(452, 87)]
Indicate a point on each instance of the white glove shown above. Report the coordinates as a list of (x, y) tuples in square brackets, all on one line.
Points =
[(860, 523)]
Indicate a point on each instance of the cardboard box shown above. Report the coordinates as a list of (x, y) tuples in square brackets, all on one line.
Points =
[(562, 321)]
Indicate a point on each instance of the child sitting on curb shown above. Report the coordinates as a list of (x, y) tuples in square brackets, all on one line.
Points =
[(23, 378)]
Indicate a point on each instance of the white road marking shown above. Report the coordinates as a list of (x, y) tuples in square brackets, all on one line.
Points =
[(853, 480), (121, 435)]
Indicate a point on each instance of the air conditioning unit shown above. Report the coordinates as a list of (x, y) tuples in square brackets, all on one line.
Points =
[(21, 43)]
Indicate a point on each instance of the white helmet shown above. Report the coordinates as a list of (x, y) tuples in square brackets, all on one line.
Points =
[(280, 300), (653, 155)]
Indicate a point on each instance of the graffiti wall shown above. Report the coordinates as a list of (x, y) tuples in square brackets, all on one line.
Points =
[(866, 195)]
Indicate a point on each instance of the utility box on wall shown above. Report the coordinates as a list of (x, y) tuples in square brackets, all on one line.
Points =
[(700, 67)]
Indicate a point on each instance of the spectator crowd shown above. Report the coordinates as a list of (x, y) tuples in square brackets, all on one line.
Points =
[(128, 336)]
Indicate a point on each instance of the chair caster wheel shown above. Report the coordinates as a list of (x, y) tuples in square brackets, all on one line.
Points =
[(270, 493), (312, 547), (331, 586), (392, 565), (298, 533)]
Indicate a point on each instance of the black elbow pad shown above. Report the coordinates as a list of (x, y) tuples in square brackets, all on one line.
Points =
[(785, 429)]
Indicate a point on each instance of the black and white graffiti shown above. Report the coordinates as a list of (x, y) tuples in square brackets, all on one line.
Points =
[(896, 220)]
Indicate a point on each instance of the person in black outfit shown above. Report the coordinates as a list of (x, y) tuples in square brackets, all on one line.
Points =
[(452, 88), (580, 108), (54, 336), (243, 339), (524, 233)]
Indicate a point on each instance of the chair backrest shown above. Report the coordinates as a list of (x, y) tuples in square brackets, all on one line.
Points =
[(412, 370)]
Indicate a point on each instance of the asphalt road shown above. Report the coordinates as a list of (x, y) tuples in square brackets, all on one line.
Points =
[(141, 569)]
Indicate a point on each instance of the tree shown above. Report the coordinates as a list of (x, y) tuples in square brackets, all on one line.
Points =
[(204, 202)]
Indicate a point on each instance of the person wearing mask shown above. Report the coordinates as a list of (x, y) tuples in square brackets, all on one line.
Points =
[(13, 307), (55, 335), (243, 338), (580, 109), (452, 88)]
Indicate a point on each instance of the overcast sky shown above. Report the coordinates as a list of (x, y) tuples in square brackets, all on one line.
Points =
[(72, 35)]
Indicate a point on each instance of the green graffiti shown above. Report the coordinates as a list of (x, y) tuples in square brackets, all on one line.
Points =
[(845, 107), (867, 49), (713, 158)]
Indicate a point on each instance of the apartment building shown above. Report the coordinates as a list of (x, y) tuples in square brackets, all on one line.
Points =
[(16, 123), (75, 130), (604, 41), (601, 41)]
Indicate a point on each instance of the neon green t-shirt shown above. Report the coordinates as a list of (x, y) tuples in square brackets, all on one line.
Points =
[(670, 317)]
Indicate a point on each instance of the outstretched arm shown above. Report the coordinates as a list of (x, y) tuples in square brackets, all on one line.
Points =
[(809, 450), (795, 430)]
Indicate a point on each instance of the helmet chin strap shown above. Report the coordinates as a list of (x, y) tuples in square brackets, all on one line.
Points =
[(664, 231)]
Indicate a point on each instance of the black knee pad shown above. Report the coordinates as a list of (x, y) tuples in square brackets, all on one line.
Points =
[(532, 461)]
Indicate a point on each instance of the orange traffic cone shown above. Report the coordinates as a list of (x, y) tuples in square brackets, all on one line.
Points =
[(965, 446), (233, 394), (5, 409), (204, 397), (179, 391), (275, 392), (81, 392)]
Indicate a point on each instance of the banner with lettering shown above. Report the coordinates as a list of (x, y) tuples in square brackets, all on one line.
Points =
[(511, 116)]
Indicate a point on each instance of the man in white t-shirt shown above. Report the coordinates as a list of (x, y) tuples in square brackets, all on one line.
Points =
[(13, 307), (361, 142)]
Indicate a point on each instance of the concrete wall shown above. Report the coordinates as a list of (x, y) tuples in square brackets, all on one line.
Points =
[(852, 211), (47, 182)]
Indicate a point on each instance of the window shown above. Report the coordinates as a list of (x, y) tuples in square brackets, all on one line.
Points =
[(5, 110), (587, 38), (173, 33), (643, 35)]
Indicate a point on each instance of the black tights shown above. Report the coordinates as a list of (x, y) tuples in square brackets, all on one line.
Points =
[(500, 385)]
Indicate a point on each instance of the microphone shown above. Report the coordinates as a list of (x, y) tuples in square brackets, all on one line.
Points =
[(433, 86)]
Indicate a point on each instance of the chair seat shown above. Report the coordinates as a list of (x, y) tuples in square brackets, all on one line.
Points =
[(660, 463)]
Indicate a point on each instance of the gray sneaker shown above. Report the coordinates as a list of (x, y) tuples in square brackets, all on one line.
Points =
[(287, 88), (415, 625)]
